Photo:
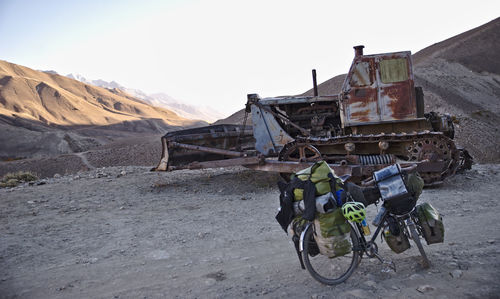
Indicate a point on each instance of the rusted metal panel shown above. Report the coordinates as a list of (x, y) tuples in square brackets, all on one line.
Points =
[(204, 144), (205, 149), (219, 163), (396, 87), (396, 103), (269, 135), (297, 100), (359, 104), (378, 88), (361, 74)]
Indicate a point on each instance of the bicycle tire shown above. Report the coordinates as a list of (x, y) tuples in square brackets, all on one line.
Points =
[(416, 239), (319, 264)]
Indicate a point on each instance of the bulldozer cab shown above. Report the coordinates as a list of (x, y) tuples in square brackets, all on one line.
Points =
[(379, 89)]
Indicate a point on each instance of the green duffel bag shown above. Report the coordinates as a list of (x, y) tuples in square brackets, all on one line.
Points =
[(332, 234), (318, 174), (431, 223)]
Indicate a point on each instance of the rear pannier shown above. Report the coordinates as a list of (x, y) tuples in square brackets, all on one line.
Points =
[(332, 233)]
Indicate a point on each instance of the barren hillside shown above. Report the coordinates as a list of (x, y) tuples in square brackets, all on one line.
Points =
[(461, 76), (57, 100), (46, 114)]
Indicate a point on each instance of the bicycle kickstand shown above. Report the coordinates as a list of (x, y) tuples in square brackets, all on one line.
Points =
[(389, 263)]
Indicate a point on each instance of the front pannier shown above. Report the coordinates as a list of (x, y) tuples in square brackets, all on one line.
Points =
[(431, 223)]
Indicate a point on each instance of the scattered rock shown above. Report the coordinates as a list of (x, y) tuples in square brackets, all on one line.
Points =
[(56, 176), (395, 288), (210, 281), (416, 276), (456, 273), (491, 241), (359, 293), (158, 255), (218, 276), (425, 288), (463, 266)]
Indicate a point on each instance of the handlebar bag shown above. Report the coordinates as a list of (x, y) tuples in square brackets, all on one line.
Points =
[(390, 182), (394, 191)]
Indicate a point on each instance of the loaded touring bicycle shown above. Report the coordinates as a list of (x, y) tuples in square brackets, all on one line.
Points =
[(331, 259)]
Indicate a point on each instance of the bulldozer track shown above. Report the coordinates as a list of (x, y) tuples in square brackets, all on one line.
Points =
[(419, 146)]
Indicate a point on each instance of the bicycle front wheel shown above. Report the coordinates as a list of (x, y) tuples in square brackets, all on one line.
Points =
[(330, 271), (416, 239)]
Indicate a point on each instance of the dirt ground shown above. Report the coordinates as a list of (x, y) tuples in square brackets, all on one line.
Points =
[(126, 232)]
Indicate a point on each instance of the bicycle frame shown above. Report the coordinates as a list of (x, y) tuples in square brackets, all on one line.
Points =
[(367, 245)]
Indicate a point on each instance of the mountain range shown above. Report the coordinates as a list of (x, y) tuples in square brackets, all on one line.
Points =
[(43, 113), (157, 99)]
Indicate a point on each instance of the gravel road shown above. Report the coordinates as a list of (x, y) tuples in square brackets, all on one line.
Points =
[(125, 232)]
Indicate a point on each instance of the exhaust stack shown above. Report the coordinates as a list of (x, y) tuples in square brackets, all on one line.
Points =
[(315, 84), (358, 50)]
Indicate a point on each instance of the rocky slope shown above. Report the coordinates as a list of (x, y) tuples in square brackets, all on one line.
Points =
[(461, 76)]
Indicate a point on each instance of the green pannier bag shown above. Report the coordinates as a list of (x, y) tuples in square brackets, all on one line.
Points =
[(318, 174), (431, 223), (397, 244), (332, 234)]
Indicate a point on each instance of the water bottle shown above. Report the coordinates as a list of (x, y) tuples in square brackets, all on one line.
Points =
[(378, 218), (338, 195), (366, 228)]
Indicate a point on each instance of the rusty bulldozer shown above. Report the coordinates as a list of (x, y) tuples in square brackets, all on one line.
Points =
[(377, 119)]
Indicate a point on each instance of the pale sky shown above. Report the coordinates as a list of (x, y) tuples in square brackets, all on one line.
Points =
[(215, 52)]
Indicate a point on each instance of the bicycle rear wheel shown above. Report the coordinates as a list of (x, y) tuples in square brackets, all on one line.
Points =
[(330, 271), (416, 239)]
